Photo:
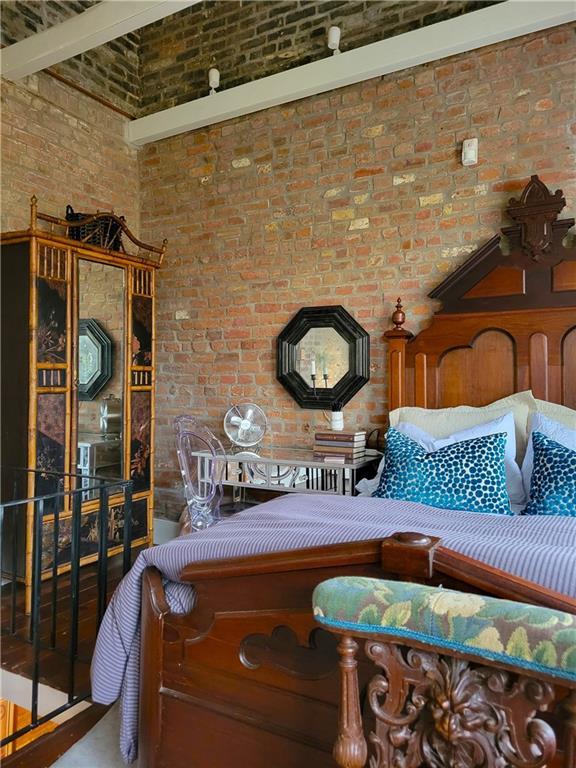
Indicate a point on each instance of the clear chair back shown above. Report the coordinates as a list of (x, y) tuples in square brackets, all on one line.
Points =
[(198, 452)]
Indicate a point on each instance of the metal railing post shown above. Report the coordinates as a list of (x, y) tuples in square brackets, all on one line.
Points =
[(102, 550), (13, 586), (54, 585), (35, 615), (74, 586), (127, 541)]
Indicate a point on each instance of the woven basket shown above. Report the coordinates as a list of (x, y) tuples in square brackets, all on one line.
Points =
[(105, 231)]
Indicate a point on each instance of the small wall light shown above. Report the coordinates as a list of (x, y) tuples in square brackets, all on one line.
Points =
[(470, 152), (334, 40), (213, 80)]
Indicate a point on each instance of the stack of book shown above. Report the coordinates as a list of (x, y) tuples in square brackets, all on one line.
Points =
[(339, 447)]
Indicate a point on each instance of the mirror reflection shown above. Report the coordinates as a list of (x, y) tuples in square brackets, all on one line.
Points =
[(100, 358), (322, 353)]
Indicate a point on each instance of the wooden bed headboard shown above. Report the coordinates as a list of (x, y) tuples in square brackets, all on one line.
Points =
[(507, 322)]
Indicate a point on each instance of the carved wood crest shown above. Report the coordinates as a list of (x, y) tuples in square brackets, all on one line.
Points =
[(536, 271), (436, 711), (535, 212)]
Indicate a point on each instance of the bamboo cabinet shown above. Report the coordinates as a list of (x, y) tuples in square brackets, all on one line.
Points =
[(77, 378)]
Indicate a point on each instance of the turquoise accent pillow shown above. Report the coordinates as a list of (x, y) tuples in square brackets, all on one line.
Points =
[(469, 475), (553, 483)]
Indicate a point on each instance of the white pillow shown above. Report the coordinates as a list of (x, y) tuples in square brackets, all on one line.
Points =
[(368, 485), (443, 422), (560, 413), (550, 428), (503, 424)]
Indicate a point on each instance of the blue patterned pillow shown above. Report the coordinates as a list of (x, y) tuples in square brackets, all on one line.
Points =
[(553, 484), (468, 475)]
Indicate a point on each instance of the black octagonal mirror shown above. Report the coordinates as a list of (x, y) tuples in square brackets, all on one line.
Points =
[(323, 357), (94, 359)]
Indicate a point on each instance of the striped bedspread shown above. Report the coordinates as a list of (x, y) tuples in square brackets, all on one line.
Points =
[(540, 549)]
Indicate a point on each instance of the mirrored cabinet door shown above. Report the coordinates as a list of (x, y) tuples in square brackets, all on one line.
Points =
[(101, 367)]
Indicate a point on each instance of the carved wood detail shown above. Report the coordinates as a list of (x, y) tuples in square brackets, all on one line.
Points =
[(568, 357), (523, 277), (421, 380), (569, 707), (539, 365), (485, 370), (502, 281), (282, 650), (350, 749), (535, 211), (564, 276), (434, 711), (409, 554)]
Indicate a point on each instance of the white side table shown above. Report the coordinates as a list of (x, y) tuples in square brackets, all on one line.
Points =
[(288, 470)]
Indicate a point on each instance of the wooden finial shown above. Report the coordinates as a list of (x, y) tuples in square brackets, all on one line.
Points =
[(398, 317), (33, 211)]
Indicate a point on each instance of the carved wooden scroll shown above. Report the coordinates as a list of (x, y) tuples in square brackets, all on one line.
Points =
[(437, 711)]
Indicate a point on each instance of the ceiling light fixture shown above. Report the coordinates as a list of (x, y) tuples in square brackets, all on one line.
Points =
[(334, 40)]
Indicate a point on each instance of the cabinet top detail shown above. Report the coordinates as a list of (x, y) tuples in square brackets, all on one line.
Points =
[(102, 232)]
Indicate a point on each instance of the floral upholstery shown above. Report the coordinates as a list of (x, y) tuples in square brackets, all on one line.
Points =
[(531, 637)]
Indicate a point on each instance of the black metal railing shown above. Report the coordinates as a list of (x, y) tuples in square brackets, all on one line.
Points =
[(58, 546)]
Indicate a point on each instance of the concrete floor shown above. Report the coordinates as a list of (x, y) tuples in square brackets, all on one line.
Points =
[(98, 748)]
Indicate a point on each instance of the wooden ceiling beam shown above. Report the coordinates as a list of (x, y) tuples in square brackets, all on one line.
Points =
[(464, 33), (99, 24)]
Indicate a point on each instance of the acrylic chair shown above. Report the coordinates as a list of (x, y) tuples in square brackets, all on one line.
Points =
[(201, 474)]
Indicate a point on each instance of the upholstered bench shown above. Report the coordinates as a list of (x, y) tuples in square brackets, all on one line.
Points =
[(463, 676)]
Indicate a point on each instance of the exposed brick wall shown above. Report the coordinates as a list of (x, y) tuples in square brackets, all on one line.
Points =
[(352, 197), (110, 71), (254, 39), (63, 147)]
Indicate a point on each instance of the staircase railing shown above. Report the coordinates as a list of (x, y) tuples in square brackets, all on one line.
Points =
[(47, 521)]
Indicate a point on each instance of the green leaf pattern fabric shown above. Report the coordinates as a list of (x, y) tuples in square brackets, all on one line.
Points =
[(530, 636)]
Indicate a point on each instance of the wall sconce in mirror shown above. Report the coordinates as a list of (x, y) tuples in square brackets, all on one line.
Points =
[(94, 359), (323, 357)]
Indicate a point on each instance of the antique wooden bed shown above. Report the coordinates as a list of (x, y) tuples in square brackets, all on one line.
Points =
[(507, 323)]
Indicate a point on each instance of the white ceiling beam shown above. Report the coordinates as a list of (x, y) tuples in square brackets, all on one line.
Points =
[(101, 23), (463, 33)]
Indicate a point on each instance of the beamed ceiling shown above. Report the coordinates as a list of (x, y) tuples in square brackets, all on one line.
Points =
[(150, 58)]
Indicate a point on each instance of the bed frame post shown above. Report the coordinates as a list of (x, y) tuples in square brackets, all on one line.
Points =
[(397, 339), (154, 608)]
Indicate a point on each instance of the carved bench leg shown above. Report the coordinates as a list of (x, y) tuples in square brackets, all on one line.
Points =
[(570, 745), (350, 750)]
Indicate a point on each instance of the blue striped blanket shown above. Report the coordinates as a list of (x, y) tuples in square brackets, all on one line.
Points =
[(540, 549)]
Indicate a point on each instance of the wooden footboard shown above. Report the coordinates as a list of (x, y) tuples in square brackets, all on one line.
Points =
[(247, 679)]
